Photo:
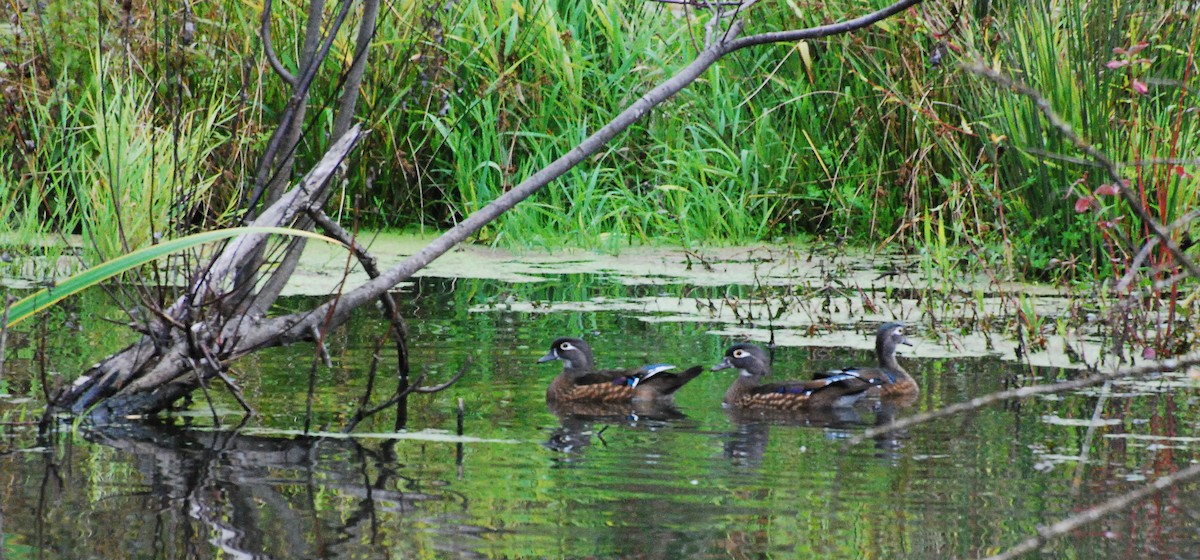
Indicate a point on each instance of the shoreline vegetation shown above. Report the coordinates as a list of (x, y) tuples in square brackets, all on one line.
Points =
[(965, 147), (877, 138), (139, 126)]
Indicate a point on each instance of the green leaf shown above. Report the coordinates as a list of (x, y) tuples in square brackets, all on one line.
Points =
[(42, 299)]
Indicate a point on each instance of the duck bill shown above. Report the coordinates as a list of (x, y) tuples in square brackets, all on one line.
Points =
[(549, 357), (723, 365)]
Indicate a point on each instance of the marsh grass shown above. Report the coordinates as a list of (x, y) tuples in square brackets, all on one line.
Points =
[(874, 139), (140, 182), (861, 136)]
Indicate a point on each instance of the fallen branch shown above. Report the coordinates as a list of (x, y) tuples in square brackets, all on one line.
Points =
[(1095, 513), (1174, 364)]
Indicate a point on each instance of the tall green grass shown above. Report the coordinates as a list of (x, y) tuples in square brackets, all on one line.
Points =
[(860, 137)]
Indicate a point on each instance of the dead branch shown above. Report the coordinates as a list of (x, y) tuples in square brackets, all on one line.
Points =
[(1162, 366), (1095, 513), (269, 49)]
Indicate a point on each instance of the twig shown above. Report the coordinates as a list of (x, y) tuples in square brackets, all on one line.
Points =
[(1086, 448), (1174, 364), (269, 49), (1094, 513), (1136, 264), (458, 448), (319, 341), (8, 301), (1134, 163), (698, 3), (415, 388)]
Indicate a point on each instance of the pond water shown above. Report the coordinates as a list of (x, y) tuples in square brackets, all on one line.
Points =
[(523, 480)]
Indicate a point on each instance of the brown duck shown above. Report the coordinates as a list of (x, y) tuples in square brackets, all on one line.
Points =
[(581, 382), (888, 380), (748, 390)]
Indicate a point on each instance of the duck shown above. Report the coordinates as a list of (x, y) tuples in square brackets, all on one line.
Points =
[(580, 381), (749, 392), (888, 380)]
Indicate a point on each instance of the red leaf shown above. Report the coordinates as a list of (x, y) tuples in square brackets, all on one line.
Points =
[(1140, 87), (1119, 50), (1178, 169), (1084, 204), (1138, 47), (1114, 64), (1107, 190)]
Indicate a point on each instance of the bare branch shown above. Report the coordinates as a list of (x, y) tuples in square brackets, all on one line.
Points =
[(366, 32), (1023, 392), (1097, 512), (822, 31), (699, 3), (416, 387), (269, 49)]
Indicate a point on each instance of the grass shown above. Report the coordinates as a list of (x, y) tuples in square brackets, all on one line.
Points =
[(857, 137)]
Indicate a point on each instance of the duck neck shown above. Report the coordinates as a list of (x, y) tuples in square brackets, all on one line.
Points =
[(743, 383), (578, 367), (887, 360)]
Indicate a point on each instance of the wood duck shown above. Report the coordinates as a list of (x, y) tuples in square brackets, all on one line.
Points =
[(748, 390), (580, 381), (888, 380)]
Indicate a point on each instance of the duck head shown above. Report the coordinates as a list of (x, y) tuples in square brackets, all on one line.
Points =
[(574, 353), (750, 360)]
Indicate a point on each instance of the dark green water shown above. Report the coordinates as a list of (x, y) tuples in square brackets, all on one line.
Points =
[(689, 482)]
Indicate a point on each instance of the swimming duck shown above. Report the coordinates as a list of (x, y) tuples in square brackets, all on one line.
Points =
[(580, 381), (748, 390), (887, 380)]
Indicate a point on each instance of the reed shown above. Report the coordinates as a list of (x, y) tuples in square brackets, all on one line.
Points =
[(862, 137)]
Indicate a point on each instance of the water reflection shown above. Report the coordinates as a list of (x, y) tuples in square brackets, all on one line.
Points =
[(578, 421), (262, 497), (692, 481)]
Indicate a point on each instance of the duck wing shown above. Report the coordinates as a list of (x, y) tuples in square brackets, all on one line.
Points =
[(612, 377), (662, 383)]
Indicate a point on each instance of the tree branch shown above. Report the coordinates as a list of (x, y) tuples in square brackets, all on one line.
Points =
[(293, 328), (1175, 364), (269, 49), (1095, 513)]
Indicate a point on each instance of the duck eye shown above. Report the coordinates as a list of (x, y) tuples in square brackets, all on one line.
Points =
[(565, 346), (739, 353)]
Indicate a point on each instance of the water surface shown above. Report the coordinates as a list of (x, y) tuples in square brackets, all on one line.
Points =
[(690, 481)]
